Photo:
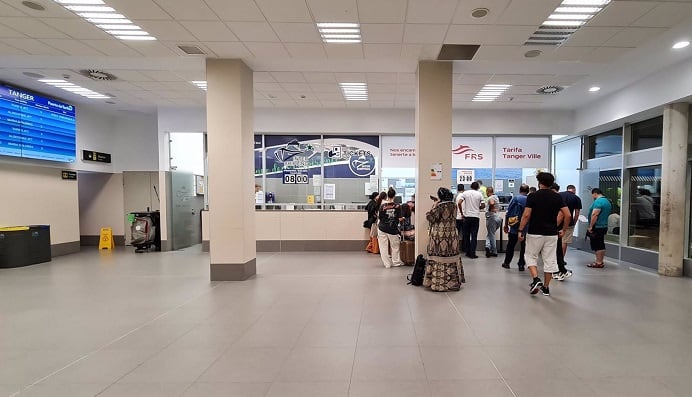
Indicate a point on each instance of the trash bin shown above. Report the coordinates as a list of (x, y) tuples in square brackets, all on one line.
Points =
[(24, 245)]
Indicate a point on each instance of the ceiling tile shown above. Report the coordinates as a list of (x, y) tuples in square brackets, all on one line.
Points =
[(307, 103), (431, 11), (148, 85), (325, 87), (527, 12), (463, 12), (665, 15), (139, 9), (407, 78), (7, 11), (591, 36), (501, 53), (228, 50), (330, 96), (344, 51), (381, 78), (186, 10), (291, 32), (382, 11), (265, 87), (288, 103), (333, 104), (33, 47), (178, 85), (113, 47), (475, 34), (381, 104), (285, 10), (633, 37), (33, 28), (131, 75), (357, 104), (151, 48), (288, 77), (306, 50), (253, 31), (568, 53), (267, 50), (467, 88), (167, 30), (263, 77), (382, 51), (333, 10), (263, 103), (296, 87), (567, 79), (525, 89), (382, 88), (605, 54), (424, 33), (420, 51), (382, 33), (209, 30), (350, 77), (470, 78), (407, 91), (77, 28), (8, 50), (319, 77), (622, 13), (277, 95), (520, 79), (161, 76), (7, 32), (236, 10), (72, 47)]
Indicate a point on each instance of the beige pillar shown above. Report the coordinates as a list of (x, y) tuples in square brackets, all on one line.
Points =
[(673, 181), (433, 138), (230, 170)]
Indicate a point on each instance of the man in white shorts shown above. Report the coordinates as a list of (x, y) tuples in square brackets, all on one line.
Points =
[(540, 220)]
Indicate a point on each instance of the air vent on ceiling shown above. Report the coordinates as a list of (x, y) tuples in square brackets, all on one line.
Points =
[(549, 90), (458, 52), (191, 50), (99, 75)]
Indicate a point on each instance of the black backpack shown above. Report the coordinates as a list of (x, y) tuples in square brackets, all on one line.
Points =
[(416, 278)]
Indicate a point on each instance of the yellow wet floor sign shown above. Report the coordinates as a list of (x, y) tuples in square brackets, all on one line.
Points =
[(106, 239)]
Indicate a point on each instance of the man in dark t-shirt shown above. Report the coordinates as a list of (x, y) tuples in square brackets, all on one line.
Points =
[(573, 203), (388, 230), (542, 209)]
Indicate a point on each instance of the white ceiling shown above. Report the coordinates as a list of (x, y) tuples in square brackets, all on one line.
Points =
[(293, 68)]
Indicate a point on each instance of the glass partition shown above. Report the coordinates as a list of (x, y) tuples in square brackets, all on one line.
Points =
[(644, 211), (647, 134), (605, 144), (610, 183)]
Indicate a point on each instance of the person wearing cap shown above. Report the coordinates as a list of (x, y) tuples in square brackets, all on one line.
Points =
[(444, 271)]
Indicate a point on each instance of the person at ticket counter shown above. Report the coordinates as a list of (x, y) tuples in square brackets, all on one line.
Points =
[(259, 194)]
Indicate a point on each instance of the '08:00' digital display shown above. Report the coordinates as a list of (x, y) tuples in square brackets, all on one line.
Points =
[(35, 127)]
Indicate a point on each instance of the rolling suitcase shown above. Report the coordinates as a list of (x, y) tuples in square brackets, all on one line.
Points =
[(408, 252)]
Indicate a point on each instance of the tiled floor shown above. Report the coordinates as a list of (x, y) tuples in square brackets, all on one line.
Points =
[(340, 324)]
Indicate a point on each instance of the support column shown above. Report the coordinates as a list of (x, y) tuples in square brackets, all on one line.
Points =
[(433, 138), (230, 170), (673, 197)]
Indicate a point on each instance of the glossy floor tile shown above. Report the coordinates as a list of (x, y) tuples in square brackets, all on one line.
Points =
[(336, 324)]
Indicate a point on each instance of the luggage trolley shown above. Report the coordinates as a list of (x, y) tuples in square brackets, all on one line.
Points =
[(146, 231)]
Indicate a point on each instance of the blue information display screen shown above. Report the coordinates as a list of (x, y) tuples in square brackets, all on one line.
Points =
[(35, 127)]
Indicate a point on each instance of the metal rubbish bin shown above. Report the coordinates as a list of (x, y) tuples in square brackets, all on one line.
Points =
[(24, 245)]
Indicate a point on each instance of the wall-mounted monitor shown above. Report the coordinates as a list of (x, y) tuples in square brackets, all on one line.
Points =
[(35, 127)]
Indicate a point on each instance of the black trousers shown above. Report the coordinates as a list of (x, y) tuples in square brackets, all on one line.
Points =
[(460, 230), (560, 256), (471, 235), (512, 239)]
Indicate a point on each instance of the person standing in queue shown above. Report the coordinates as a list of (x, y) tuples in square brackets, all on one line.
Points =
[(388, 230), (598, 226), (492, 222), (460, 217), (471, 204), (515, 209)]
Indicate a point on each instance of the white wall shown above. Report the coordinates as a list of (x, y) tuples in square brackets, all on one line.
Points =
[(378, 121), (38, 196), (135, 143), (100, 203)]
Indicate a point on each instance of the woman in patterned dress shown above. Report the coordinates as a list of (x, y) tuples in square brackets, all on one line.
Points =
[(444, 271)]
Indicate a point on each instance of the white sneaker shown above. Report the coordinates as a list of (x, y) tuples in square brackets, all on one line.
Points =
[(397, 264), (556, 276)]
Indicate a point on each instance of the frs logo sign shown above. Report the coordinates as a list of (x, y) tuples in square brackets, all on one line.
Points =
[(467, 152)]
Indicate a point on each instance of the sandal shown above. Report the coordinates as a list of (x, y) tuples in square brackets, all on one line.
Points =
[(595, 265)]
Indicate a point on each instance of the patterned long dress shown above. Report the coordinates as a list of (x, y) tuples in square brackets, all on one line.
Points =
[(444, 270)]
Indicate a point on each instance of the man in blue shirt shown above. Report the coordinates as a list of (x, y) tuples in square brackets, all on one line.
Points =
[(598, 226), (513, 217)]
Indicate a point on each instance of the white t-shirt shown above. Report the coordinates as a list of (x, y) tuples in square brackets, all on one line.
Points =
[(458, 200), (472, 203)]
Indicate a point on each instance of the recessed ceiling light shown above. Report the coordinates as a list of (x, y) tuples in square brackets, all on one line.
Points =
[(680, 44), (490, 92), (569, 16), (80, 1), (90, 8), (33, 6), (200, 84), (594, 89), (337, 32), (354, 91), (585, 2), (73, 88), (480, 12), (106, 18)]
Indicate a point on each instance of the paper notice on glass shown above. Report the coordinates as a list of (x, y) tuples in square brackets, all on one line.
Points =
[(317, 180), (499, 186), (367, 189), (329, 191), (399, 184), (373, 183), (436, 171)]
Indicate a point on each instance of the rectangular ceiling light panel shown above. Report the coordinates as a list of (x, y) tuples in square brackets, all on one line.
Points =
[(333, 32), (200, 84), (569, 16), (354, 91), (490, 92), (74, 88), (105, 17)]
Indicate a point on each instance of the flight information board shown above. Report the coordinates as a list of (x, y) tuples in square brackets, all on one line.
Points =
[(35, 127)]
